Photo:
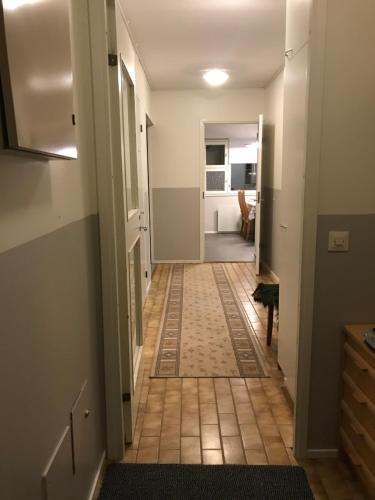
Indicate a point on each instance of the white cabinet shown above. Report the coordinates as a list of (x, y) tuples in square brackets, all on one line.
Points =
[(294, 153), (36, 73), (297, 24)]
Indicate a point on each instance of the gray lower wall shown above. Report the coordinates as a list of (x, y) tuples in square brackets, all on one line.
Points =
[(344, 293), (270, 241), (176, 223), (50, 343)]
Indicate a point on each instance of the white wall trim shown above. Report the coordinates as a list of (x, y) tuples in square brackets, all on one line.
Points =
[(96, 484), (197, 261), (211, 232), (322, 453), (269, 270)]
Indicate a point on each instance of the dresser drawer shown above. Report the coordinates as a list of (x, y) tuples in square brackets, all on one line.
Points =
[(360, 372), (362, 443), (361, 407), (359, 466)]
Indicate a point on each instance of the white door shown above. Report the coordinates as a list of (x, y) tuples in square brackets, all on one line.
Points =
[(141, 133), (131, 337), (292, 193), (258, 213)]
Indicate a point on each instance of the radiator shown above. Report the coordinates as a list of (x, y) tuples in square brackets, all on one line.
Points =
[(228, 219)]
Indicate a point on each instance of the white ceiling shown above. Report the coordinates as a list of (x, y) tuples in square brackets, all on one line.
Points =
[(239, 134), (178, 39)]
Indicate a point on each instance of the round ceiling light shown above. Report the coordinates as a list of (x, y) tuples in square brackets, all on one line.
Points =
[(216, 77)]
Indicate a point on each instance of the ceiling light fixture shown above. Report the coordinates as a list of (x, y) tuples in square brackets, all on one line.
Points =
[(216, 77)]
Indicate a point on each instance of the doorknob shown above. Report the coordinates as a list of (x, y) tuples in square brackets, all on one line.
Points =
[(145, 228), (283, 226), (289, 53)]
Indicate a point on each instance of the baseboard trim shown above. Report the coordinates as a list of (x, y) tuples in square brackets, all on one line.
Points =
[(95, 487), (322, 453), (197, 261), (269, 270)]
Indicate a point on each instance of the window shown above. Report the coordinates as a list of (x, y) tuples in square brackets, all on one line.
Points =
[(222, 177), (216, 180), (217, 152), (243, 176)]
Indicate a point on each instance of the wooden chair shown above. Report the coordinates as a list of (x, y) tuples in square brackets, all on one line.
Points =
[(245, 223)]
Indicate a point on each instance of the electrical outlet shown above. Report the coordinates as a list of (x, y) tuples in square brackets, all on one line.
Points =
[(338, 241)]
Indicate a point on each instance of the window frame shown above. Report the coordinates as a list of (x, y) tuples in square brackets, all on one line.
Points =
[(218, 142)]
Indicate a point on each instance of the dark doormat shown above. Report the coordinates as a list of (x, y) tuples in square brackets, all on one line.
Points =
[(208, 482)]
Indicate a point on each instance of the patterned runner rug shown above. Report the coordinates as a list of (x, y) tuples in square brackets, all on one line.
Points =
[(204, 330)]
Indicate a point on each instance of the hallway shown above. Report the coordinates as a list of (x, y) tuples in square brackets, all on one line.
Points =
[(224, 420), (228, 247)]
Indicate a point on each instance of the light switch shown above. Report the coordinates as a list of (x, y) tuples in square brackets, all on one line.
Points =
[(338, 241)]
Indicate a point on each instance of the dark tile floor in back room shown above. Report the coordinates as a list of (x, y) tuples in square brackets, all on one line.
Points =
[(224, 420)]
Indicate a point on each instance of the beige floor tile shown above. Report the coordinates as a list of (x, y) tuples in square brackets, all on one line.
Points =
[(256, 457), (208, 413), (251, 437), (225, 403), (240, 394), (212, 457), (148, 456), (233, 452), (173, 396), (245, 413), (169, 457), (155, 403), (190, 450), (222, 386), (286, 432), (268, 430), (210, 437), (152, 424), (148, 442), (237, 381), (275, 450), (170, 440), (190, 425), (130, 456), (228, 424)]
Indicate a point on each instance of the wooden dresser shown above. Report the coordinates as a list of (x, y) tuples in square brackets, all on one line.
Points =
[(358, 405)]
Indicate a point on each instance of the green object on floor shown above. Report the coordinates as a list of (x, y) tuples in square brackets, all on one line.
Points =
[(267, 294)]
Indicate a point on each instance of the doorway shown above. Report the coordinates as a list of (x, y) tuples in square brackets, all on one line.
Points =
[(230, 172)]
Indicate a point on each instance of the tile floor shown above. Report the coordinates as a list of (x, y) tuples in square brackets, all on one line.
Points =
[(222, 420)]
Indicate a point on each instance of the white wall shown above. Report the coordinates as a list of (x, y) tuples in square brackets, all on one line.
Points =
[(175, 137), (212, 205), (241, 154), (176, 160), (273, 120), (272, 172)]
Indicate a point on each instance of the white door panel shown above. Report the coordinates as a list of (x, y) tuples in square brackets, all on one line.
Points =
[(297, 24), (294, 152), (127, 182), (259, 200)]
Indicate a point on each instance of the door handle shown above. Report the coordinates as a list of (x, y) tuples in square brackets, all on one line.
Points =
[(289, 53), (284, 226), (145, 228)]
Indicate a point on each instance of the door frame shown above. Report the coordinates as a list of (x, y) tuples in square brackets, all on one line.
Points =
[(202, 173), (106, 117)]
